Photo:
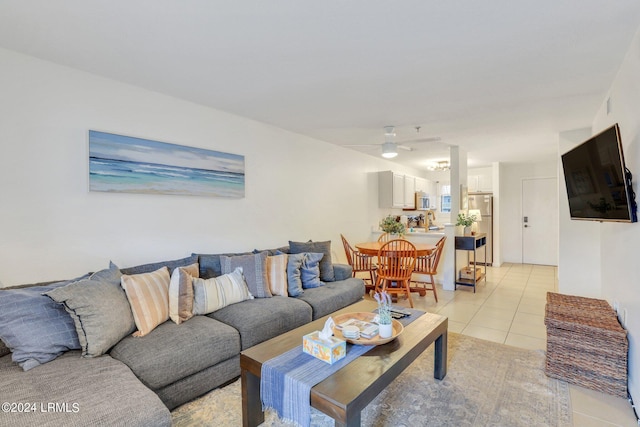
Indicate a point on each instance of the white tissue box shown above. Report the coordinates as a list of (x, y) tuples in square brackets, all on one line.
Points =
[(328, 351)]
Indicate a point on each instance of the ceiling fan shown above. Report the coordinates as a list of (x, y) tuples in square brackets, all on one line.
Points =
[(390, 146)]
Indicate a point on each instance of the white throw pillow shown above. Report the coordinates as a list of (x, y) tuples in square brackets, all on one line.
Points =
[(218, 292)]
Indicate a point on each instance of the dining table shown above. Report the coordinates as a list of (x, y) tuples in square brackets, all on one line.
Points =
[(372, 248), (422, 249)]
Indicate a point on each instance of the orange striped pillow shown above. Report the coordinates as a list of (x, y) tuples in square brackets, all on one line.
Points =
[(148, 295), (277, 274)]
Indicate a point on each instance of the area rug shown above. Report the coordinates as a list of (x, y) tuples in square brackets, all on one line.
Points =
[(487, 384)]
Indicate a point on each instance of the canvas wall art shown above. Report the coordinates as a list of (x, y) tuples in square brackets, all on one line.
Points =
[(126, 164)]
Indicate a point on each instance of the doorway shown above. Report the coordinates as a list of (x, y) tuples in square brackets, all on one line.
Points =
[(540, 221)]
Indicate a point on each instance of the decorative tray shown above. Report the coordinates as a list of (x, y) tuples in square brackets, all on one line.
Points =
[(367, 317)]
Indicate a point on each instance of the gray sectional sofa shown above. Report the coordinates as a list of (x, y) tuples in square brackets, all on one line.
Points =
[(141, 379)]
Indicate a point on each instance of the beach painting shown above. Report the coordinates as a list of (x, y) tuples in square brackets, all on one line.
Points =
[(126, 164)]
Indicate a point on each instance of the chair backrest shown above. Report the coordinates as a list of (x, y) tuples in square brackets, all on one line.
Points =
[(348, 250), (429, 264), (439, 248), (387, 237), (396, 259)]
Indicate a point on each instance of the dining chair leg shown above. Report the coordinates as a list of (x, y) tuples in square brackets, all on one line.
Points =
[(433, 285), (408, 291), (376, 288)]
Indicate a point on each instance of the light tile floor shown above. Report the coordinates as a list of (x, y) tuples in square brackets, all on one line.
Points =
[(509, 309)]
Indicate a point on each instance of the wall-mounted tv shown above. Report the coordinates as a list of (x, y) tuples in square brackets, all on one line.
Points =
[(598, 182)]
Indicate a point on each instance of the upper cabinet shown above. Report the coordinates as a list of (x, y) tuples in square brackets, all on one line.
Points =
[(480, 180), (422, 185), (396, 190)]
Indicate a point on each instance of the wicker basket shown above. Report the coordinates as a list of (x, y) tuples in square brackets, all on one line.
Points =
[(586, 345)]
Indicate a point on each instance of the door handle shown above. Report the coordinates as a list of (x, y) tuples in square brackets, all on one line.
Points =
[(525, 226)]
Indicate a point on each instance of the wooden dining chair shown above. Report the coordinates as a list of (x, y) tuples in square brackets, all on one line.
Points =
[(387, 237), (428, 266), (396, 260), (360, 263)]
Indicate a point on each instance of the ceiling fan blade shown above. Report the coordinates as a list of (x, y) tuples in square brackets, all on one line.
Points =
[(361, 145), (431, 139), (404, 147)]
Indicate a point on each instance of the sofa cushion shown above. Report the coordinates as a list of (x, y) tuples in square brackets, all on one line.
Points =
[(277, 274), (326, 266), (261, 319), (35, 328), (171, 265), (171, 352), (94, 392), (99, 308), (342, 271), (254, 269), (148, 295), (218, 292), (333, 296)]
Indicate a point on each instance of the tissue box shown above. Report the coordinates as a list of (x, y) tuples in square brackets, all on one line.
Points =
[(329, 352)]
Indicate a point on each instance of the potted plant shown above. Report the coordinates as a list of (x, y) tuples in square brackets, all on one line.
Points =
[(466, 221), (390, 224), (385, 327)]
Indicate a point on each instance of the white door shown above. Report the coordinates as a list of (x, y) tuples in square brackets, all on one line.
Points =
[(540, 221)]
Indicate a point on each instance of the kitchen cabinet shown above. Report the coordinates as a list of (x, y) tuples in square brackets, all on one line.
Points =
[(396, 190), (422, 185), (480, 180), (409, 192)]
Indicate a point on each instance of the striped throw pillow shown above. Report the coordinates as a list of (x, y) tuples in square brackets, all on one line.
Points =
[(277, 274), (148, 295), (218, 292), (181, 293)]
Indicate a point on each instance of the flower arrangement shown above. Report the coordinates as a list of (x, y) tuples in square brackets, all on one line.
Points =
[(390, 224), (466, 220), (384, 308)]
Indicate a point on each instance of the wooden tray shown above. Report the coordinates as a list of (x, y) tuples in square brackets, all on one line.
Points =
[(367, 317)]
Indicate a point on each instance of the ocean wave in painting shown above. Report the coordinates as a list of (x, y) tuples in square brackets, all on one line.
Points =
[(138, 177)]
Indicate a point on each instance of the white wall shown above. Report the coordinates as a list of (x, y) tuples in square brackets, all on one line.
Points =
[(510, 206), (579, 250), (51, 227), (620, 269)]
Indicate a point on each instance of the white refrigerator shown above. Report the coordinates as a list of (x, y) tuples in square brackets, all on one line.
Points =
[(484, 203)]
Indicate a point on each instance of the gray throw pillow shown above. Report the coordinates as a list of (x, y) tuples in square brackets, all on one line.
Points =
[(35, 328), (310, 270), (254, 268), (294, 279), (171, 265), (326, 266), (100, 310)]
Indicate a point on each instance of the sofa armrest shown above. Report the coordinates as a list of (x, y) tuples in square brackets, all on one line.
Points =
[(342, 271)]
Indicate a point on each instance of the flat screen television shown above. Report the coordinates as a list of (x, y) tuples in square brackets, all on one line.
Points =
[(598, 182)]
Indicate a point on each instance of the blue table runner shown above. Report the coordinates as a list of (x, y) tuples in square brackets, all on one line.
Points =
[(286, 380)]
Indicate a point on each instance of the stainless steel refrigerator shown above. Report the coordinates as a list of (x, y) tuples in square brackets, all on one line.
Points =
[(484, 203)]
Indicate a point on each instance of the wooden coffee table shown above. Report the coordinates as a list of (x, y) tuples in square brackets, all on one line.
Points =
[(347, 392)]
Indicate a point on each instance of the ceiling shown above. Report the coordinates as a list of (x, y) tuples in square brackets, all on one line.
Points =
[(498, 78)]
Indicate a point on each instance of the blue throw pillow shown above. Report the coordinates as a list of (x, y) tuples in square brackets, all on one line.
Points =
[(35, 328), (326, 266), (294, 279), (310, 270)]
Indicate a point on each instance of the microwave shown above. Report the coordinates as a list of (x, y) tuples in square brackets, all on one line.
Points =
[(422, 201)]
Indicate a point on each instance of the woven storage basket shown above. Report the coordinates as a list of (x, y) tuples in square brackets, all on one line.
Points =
[(569, 302), (586, 345)]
